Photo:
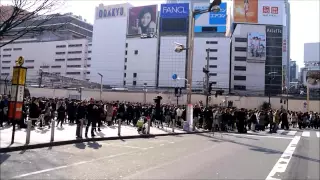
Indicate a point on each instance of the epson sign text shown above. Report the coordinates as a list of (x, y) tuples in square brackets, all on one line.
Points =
[(219, 18), (174, 10)]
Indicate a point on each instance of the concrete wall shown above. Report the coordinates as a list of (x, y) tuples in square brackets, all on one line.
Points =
[(243, 102)]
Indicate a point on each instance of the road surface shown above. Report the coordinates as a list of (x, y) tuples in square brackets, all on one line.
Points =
[(201, 156)]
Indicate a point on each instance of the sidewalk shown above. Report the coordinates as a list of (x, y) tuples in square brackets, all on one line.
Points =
[(67, 133)]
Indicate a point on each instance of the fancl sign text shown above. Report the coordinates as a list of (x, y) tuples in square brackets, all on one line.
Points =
[(111, 11), (174, 10)]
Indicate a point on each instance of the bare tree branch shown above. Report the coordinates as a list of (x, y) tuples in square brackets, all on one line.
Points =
[(27, 16)]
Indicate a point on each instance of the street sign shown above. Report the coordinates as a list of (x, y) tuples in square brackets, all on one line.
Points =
[(174, 76), (20, 61)]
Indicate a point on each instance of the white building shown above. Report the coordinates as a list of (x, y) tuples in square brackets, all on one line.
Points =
[(140, 62), (66, 58), (246, 76), (219, 61), (311, 55), (108, 45)]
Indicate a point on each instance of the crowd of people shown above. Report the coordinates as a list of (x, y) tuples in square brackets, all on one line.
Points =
[(97, 113)]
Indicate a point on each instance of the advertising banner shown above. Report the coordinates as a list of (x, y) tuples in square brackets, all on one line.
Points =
[(245, 11), (210, 22), (256, 49), (219, 18), (142, 20), (112, 11), (271, 12), (174, 10)]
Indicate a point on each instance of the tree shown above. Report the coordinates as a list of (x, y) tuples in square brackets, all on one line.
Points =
[(27, 17)]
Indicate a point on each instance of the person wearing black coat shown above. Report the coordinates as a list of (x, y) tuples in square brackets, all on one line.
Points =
[(81, 114), (61, 114)]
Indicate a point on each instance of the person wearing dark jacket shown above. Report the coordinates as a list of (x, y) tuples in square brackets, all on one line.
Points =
[(93, 115), (81, 114), (34, 112), (61, 114)]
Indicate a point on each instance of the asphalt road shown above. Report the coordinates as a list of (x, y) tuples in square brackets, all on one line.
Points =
[(227, 156)]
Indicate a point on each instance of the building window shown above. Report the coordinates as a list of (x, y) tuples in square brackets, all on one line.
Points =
[(240, 68), (75, 45), (213, 50), (44, 67), (60, 53), (73, 73), (125, 67), (58, 73), (6, 55), (134, 75), (60, 46), (211, 42), (239, 87), (126, 52), (241, 49), (213, 83), (59, 59), (125, 60), (5, 74), (240, 78), (29, 61), (89, 44), (6, 62), (239, 58), (30, 67), (88, 72), (88, 65), (9, 49), (17, 49), (55, 66), (74, 66), (5, 68), (124, 83), (212, 74), (212, 58), (74, 59), (238, 39), (126, 45), (124, 74), (89, 59), (134, 83), (213, 66), (74, 52), (135, 51), (89, 51)]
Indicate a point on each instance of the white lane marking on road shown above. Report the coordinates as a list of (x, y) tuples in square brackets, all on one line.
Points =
[(279, 131), (284, 160), (318, 134), (292, 133), (306, 134), (126, 146), (74, 164), (252, 135)]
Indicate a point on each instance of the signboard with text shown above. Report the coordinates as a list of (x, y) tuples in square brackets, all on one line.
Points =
[(178, 10), (112, 11)]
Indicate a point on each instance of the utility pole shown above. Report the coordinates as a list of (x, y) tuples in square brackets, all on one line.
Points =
[(40, 78), (206, 71)]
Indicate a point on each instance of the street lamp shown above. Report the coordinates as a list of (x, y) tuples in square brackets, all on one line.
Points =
[(214, 6), (101, 76)]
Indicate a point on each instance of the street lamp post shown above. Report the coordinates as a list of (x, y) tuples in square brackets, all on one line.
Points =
[(270, 80), (101, 76)]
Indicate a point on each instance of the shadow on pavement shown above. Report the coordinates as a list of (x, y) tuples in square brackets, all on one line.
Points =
[(92, 144), (4, 157)]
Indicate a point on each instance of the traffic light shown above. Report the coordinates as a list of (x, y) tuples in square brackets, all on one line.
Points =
[(210, 88), (176, 91)]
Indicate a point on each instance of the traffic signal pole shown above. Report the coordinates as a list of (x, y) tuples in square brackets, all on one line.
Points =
[(207, 93)]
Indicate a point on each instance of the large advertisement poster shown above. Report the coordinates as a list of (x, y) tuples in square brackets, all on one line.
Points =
[(245, 11), (174, 10), (142, 20), (256, 49)]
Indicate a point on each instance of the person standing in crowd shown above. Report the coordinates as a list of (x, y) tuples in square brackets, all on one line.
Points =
[(34, 112), (81, 115), (61, 114)]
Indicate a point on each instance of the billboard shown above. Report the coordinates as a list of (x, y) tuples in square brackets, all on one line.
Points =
[(210, 22), (258, 12), (174, 10), (112, 11), (245, 11), (142, 20), (174, 24), (256, 49)]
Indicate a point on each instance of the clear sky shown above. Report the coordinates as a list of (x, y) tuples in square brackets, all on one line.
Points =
[(304, 19)]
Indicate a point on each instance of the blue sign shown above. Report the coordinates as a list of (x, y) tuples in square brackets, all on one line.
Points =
[(174, 76), (219, 18), (174, 10)]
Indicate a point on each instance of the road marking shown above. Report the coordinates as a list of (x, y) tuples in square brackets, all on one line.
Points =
[(252, 135), (306, 134), (318, 134), (132, 147), (74, 164), (279, 131), (292, 133), (284, 160)]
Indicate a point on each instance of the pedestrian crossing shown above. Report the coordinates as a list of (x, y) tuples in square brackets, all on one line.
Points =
[(304, 133)]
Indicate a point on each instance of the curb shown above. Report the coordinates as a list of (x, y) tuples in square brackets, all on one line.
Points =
[(60, 143)]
